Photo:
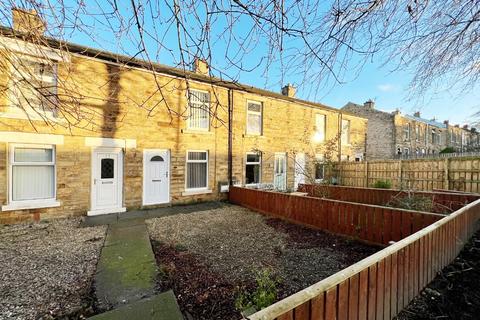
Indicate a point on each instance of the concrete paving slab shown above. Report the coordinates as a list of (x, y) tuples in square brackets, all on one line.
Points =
[(126, 271), (160, 307)]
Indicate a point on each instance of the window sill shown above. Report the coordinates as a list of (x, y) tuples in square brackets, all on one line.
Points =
[(30, 205), (30, 117), (251, 135), (193, 131), (195, 192)]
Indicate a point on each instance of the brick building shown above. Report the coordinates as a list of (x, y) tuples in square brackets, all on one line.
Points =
[(393, 134), (113, 133)]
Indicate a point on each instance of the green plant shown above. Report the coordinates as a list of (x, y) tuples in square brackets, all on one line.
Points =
[(448, 150), (264, 295), (383, 184), (412, 202)]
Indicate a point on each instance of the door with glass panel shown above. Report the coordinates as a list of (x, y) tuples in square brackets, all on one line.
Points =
[(280, 171), (107, 183), (156, 177)]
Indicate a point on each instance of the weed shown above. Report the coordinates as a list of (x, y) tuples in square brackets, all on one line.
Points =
[(264, 295), (383, 184)]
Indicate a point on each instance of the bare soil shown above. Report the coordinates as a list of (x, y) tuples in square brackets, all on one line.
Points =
[(208, 257), (455, 291), (47, 268)]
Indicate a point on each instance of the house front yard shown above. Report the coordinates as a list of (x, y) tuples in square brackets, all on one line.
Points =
[(46, 269), (215, 260)]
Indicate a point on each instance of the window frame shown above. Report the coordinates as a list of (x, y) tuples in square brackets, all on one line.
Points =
[(321, 135), (30, 112), (11, 163), (196, 161), (406, 132), (189, 126), (348, 142), (259, 162), (319, 159), (248, 112)]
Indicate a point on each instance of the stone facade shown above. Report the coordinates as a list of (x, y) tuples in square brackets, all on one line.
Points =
[(109, 102), (393, 135)]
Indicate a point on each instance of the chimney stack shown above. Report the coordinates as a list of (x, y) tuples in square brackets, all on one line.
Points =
[(200, 66), (369, 104), (417, 114), (465, 127), (28, 21), (446, 122), (289, 90)]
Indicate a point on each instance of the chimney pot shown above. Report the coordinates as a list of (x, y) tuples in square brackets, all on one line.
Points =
[(465, 127), (417, 114), (446, 122), (289, 90), (201, 66), (28, 21), (369, 104)]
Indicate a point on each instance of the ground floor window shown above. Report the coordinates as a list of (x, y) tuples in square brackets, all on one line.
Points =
[(253, 168), (32, 172), (197, 170), (319, 168)]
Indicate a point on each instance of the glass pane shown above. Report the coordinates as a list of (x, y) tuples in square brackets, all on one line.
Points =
[(107, 169), (319, 171), (33, 182), (195, 155), (156, 158), (33, 155), (253, 158), (196, 175), (256, 107), (252, 173), (254, 124)]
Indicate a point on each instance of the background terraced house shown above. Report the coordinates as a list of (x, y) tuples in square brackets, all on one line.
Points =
[(394, 134), (88, 131)]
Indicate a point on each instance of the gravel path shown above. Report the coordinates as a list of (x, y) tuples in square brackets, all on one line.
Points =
[(236, 242), (46, 269)]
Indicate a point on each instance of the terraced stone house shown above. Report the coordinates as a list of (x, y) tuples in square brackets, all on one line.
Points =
[(84, 131), (397, 135)]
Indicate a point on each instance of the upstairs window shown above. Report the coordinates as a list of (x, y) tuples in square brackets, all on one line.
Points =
[(345, 132), (320, 122), (33, 86), (406, 132), (198, 110), (417, 133), (197, 170), (253, 168), (254, 118)]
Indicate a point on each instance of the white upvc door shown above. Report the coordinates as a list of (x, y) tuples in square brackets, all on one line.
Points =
[(280, 171), (299, 169), (156, 176), (107, 181)]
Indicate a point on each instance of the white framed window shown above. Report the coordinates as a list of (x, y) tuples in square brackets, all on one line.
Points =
[(254, 118), (198, 110), (32, 174), (197, 170), (406, 151), (33, 87), (320, 127), (406, 132), (345, 132), (253, 168), (417, 133), (319, 168)]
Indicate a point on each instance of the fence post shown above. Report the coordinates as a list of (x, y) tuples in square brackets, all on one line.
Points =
[(366, 174), (400, 173), (446, 182)]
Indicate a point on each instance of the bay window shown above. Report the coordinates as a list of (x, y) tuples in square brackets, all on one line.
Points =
[(197, 170), (32, 173)]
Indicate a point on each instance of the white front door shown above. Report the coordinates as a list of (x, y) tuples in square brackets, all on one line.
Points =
[(299, 169), (107, 184), (156, 177), (280, 171)]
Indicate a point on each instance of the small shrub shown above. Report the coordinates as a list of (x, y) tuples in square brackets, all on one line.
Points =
[(383, 184), (448, 150), (413, 202), (264, 295)]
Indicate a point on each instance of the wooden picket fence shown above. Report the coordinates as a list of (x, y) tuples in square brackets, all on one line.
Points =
[(379, 286), (442, 201), (461, 174)]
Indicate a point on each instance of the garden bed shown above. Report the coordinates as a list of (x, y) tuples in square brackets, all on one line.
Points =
[(211, 258), (455, 291), (47, 268)]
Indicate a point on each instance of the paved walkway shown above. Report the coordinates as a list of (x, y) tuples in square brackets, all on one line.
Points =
[(126, 272)]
